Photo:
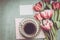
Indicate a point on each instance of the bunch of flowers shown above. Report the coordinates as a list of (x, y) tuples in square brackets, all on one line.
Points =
[(44, 16)]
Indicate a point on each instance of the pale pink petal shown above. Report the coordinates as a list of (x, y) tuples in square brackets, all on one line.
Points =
[(43, 14), (38, 16)]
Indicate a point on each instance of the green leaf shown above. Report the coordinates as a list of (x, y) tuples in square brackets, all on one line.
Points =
[(54, 17), (59, 16), (58, 24)]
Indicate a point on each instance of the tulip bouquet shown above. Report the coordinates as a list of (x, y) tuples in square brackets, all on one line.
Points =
[(46, 16)]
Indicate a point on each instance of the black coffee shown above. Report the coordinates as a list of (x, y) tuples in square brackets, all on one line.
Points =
[(30, 28)]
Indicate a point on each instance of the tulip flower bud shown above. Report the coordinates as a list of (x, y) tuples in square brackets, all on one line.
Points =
[(46, 25), (44, 15), (54, 5), (50, 23), (47, 14), (38, 16), (38, 7), (57, 5)]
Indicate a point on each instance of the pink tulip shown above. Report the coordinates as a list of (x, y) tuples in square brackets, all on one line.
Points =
[(50, 23), (54, 5), (47, 14), (46, 25), (57, 5), (37, 7), (44, 15), (38, 16)]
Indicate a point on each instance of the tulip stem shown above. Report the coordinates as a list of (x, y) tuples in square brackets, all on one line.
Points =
[(57, 14), (54, 14)]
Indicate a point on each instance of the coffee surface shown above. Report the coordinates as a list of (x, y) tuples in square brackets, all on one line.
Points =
[(30, 28)]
